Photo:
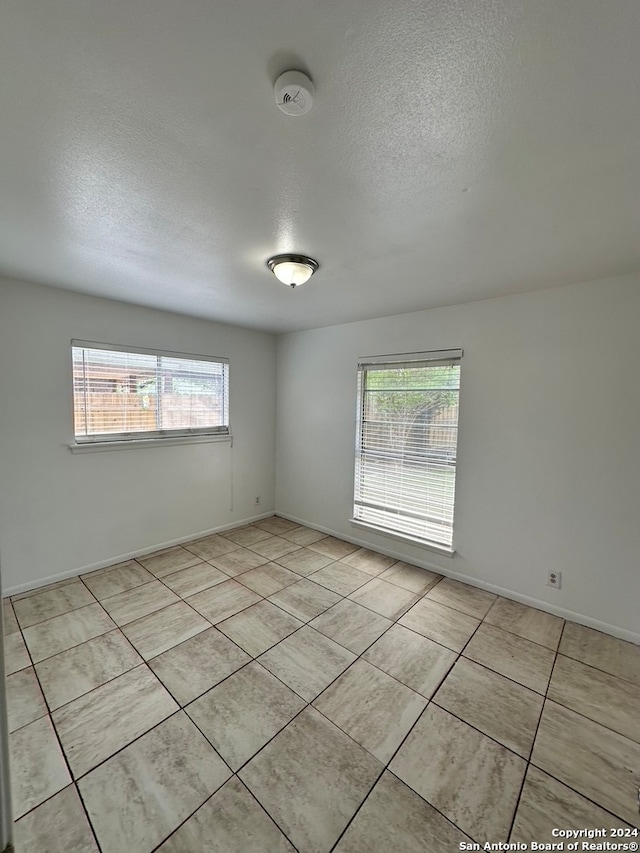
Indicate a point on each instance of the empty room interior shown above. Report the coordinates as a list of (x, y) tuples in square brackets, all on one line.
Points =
[(320, 426)]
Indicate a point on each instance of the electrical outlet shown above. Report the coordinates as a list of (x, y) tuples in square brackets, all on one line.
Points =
[(554, 579), (257, 500)]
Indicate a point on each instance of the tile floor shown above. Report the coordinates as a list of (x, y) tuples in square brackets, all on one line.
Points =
[(274, 689)]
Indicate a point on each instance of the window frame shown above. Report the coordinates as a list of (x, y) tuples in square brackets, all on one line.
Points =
[(393, 362), (146, 438)]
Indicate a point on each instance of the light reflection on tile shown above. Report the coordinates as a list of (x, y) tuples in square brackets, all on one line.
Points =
[(142, 794)]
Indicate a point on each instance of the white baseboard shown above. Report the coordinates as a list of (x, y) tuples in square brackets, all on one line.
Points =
[(563, 612), (122, 558)]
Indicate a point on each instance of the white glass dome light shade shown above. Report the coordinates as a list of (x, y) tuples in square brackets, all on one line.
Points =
[(292, 270)]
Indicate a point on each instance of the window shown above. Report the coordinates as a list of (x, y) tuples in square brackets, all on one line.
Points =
[(123, 395), (406, 442)]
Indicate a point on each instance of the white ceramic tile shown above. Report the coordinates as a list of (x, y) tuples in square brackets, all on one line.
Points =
[(164, 629), (442, 624), (140, 796), (231, 820), (340, 578), (268, 579), (38, 769), (305, 599), (468, 777), (238, 561), (16, 656), (135, 603), (244, 712), (371, 707), (546, 805), (351, 625), (223, 600), (598, 763), (248, 535), (59, 825), (9, 621), (211, 547), (45, 605), (259, 627), (307, 662), (387, 599), (334, 548), (611, 701), (303, 561), (395, 818), (114, 579), (168, 561), (78, 670), (410, 577), (368, 561), (98, 724), (25, 702), (414, 660), (527, 622), (601, 651), (187, 582), (63, 632), (528, 663), (193, 667), (461, 596), (311, 762), (497, 706)]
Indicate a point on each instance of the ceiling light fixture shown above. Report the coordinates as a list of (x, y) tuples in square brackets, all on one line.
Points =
[(292, 270)]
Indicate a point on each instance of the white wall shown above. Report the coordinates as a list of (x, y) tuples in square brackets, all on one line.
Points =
[(549, 446), (61, 512)]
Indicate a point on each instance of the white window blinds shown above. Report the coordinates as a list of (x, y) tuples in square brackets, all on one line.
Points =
[(130, 394), (407, 437)]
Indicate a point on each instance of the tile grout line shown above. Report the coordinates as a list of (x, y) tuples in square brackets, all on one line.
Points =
[(535, 735), (73, 781)]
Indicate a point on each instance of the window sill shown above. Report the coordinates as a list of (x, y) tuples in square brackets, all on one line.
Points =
[(421, 543), (139, 443)]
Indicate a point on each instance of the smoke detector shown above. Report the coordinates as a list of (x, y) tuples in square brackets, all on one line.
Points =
[(294, 93)]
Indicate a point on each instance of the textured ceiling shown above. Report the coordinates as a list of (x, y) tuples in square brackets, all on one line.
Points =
[(457, 150)]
